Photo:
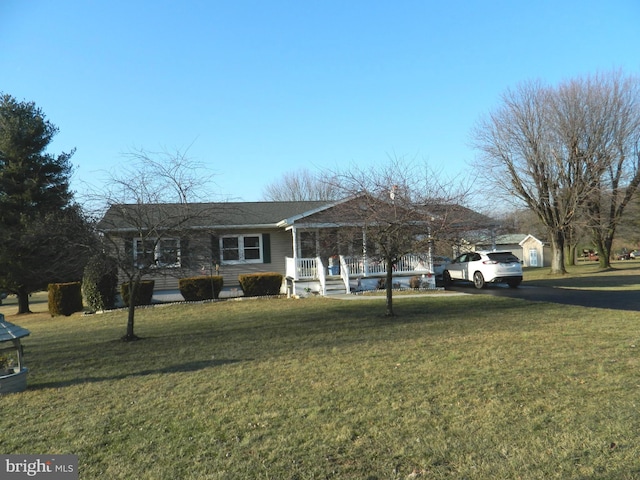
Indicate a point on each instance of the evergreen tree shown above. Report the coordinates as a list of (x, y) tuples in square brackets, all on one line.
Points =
[(36, 213)]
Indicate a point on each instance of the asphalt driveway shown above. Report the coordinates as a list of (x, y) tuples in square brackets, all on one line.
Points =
[(614, 299)]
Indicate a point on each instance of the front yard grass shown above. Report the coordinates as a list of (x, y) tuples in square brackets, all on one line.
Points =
[(458, 387), (623, 275)]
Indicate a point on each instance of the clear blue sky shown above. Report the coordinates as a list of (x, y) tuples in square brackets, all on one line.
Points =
[(260, 88)]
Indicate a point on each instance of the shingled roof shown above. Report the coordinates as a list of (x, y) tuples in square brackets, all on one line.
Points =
[(244, 215), (226, 215)]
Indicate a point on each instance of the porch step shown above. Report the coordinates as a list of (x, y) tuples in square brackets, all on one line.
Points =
[(334, 286)]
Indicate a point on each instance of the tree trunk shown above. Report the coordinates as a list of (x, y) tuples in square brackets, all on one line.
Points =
[(557, 250), (570, 246), (131, 336), (23, 300), (604, 251), (389, 288), (570, 255)]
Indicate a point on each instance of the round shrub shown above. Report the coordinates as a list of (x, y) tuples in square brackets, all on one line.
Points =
[(196, 289), (143, 293), (259, 284), (100, 282)]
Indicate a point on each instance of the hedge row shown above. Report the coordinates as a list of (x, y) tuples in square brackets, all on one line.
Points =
[(99, 287), (209, 287)]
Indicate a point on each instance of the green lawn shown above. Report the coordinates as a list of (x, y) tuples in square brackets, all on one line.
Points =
[(623, 275), (457, 387)]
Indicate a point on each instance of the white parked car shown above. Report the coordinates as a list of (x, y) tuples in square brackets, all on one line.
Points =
[(439, 264), (484, 267)]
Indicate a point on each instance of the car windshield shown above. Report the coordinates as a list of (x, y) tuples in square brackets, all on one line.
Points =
[(503, 257)]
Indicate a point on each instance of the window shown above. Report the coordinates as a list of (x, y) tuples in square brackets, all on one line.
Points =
[(504, 257), (164, 252), (168, 252), (241, 249)]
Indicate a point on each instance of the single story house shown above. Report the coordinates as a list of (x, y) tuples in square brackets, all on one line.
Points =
[(318, 246)]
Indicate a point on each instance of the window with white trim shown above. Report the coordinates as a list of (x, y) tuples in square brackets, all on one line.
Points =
[(241, 249), (163, 252)]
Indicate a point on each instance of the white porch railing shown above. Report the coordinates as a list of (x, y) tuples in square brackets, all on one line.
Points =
[(411, 263), (302, 268), (313, 268)]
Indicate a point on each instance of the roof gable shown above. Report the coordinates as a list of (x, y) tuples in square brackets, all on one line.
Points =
[(531, 238)]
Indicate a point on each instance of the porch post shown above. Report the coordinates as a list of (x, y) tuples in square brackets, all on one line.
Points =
[(294, 239), (365, 263), (430, 250)]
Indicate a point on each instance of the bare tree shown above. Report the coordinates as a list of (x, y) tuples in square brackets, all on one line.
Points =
[(401, 206), (521, 220), (621, 154), (150, 207), (550, 148), (302, 185)]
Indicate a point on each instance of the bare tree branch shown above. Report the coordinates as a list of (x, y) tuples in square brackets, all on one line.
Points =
[(302, 185)]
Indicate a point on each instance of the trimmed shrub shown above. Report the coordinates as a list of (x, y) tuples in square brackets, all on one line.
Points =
[(143, 294), (65, 298), (100, 282), (195, 289), (259, 284)]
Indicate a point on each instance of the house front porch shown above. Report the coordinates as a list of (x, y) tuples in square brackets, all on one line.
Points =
[(346, 274)]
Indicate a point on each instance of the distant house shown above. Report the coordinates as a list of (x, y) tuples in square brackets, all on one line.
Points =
[(317, 245)]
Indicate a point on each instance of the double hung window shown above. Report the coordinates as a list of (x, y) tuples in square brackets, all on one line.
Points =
[(163, 252), (241, 249)]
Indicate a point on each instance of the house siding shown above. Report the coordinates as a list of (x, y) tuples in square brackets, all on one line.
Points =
[(280, 243), (279, 247)]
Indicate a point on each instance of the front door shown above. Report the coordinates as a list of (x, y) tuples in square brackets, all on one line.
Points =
[(308, 246)]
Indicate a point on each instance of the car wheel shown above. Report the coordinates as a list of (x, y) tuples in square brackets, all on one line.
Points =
[(478, 280), (446, 279), (513, 283)]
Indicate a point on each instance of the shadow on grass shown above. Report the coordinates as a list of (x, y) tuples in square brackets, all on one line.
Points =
[(181, 368)]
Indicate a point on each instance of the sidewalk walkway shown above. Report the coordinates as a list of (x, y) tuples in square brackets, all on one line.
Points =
[(168, 296)]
